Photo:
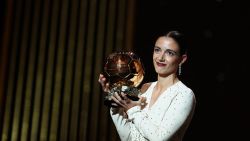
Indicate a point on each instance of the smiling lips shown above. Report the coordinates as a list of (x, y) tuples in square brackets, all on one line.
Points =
[(161, 64)]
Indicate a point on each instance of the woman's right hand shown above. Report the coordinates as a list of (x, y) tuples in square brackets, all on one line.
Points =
[(118, 100), (105, 87), (103, 81)]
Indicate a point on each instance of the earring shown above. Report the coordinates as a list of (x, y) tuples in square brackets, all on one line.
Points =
[(179, 70)]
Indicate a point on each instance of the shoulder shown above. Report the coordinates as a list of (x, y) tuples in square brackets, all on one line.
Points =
[(183, 88), (185, 91)]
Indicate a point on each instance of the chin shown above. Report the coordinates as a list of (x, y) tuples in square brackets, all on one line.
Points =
[(161, 73), (160, 70)]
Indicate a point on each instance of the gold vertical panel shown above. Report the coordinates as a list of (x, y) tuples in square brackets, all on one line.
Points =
[(39, 77), (27, 109), (76, 132), (95, 117), (59, 72), (88, 61), (97, 101), (110, 47), (49, 31), (19, 98), (11, 89), (68, 83), (4, 51), (57, 52)]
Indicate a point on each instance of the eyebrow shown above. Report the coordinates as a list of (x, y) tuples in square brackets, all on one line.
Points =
[(177, 53), (167, 49)]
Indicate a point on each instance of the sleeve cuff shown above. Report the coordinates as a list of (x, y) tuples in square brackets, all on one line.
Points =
[(131, 112)]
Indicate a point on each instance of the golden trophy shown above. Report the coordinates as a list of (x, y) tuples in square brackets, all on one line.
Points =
[(124, 72)]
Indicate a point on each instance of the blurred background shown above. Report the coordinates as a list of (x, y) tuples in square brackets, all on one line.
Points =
[(52, 52)]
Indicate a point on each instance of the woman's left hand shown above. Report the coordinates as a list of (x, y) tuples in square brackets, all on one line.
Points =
[(122, 100)]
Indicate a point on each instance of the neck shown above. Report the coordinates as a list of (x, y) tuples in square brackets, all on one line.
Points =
[(165, 82)]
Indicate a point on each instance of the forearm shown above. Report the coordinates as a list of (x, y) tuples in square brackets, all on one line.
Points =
[(165, 125), (144, 123), (121, 123)]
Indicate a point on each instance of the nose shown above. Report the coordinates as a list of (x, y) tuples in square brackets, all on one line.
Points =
[(162, 56)]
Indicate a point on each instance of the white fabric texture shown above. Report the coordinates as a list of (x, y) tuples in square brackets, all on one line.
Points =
[(166, 120)]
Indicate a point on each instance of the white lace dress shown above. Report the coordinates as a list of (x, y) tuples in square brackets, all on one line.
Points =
[(166, 120)]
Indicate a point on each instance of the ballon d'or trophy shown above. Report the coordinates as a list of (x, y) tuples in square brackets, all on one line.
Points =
[(124, 72)]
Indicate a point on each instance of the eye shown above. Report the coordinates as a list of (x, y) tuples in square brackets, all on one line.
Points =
[(170, 53), (157, 50)]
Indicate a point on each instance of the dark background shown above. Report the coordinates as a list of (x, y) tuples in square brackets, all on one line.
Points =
[(217, 68), (2, 12)]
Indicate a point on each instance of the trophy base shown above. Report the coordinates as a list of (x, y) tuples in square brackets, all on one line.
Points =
[(108, 103), (132, 97), (131, 92)]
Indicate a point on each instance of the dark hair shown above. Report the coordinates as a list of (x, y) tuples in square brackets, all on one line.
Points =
[(180, 39)]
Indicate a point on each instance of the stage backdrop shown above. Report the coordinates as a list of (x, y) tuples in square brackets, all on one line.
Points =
[(51, 56)]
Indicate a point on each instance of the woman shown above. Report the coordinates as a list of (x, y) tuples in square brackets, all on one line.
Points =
[(166, 106)]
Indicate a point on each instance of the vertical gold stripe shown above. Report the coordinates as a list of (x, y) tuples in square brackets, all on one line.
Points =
[(110, 42), (57, 94), (98, 68), (95, 100), (21, 73), (13, 69), (69, 73), (88, 65), (29, 86), (39, 77), (49, 83), (4, 51), (74, 132)]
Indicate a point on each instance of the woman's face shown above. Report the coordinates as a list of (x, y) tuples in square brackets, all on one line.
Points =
[(166, 56)]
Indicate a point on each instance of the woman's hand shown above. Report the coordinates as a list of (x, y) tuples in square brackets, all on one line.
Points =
[(119, 100), (123, 101), (103, 81), (105, 87)]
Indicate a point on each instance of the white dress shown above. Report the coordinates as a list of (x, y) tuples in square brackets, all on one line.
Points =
[(166, 120)]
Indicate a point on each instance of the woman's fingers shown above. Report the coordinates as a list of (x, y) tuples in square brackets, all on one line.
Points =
[(142, 102), (119, 102), (114, 104), (122, 100), (118, 98), (102, 80), (123, 96), (105, 85)]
